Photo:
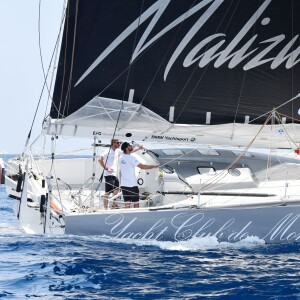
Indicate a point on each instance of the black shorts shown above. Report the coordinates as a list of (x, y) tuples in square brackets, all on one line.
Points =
[(130, 193), (111, 183)]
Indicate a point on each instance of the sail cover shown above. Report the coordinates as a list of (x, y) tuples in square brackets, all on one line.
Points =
[(215, 61)]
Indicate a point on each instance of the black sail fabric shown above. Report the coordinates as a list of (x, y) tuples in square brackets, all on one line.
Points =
[(230, 58)]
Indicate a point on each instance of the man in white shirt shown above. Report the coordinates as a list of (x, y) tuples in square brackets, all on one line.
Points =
[(109, 161), (129, 185)]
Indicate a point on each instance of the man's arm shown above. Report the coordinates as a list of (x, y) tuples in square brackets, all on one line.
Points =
[(147, 167), (101, 162)]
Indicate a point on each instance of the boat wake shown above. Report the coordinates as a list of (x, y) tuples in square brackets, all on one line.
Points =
[(209, 243), (194, 244)]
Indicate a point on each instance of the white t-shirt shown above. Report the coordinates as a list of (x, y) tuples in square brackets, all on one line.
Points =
[(127, 165), (112, 161)]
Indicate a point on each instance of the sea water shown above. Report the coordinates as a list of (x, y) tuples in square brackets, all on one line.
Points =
[(78, 267)]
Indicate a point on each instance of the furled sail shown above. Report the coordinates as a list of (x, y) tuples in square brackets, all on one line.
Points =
[(103, 118), (215, 61)]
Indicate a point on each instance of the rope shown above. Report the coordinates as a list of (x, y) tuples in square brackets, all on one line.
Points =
[(44, 84), (244, 77), (40, 48), (166, 54), (55, 61), (139, 57), (292, 70), (224, 173), (65, 54), (68, 94), (285, 131), (125, 87), (276, 108)]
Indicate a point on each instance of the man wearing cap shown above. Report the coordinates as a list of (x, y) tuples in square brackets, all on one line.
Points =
[(127, 164), (109, 161)]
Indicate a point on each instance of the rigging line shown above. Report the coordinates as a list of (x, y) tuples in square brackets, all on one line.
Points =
[(35, 114), (167, 52), (65, 55), (233, 13), (135, 61), (40, 51), (68, 94), (293, 58), (294, 119), (126, 69), (244, 77), (275, 108), (269, 161), (108, 154), (232, 165), (292, 55), (196, 68), (254, 138), (57, 47), (44, 84), (53, 149), (285, 131), (224, 184), (57, 109), (40, 48), (125, 87), (133, 45)]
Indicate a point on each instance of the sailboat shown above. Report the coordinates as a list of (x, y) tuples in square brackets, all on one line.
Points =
[(209, 87)]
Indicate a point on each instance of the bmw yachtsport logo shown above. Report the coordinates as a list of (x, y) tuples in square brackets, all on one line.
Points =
[(193, 139)]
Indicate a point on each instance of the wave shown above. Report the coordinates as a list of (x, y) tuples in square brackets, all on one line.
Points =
[(194, 244)]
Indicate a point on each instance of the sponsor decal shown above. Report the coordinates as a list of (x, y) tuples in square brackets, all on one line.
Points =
[(283, 229), (171, 138), (216, 48), (186, 225)]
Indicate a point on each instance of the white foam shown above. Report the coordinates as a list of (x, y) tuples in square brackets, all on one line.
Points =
[(207, 243), (194, 244)]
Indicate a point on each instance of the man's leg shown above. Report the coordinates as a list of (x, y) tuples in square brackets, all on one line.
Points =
[(110, 182), (114, 204), (126, 196), (105, 200), (108, 190), (136, 197)]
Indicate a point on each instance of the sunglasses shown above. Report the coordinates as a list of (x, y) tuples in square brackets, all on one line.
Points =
[(117, 143)]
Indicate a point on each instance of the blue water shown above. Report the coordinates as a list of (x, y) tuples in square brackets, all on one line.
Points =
[(71, 267)]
